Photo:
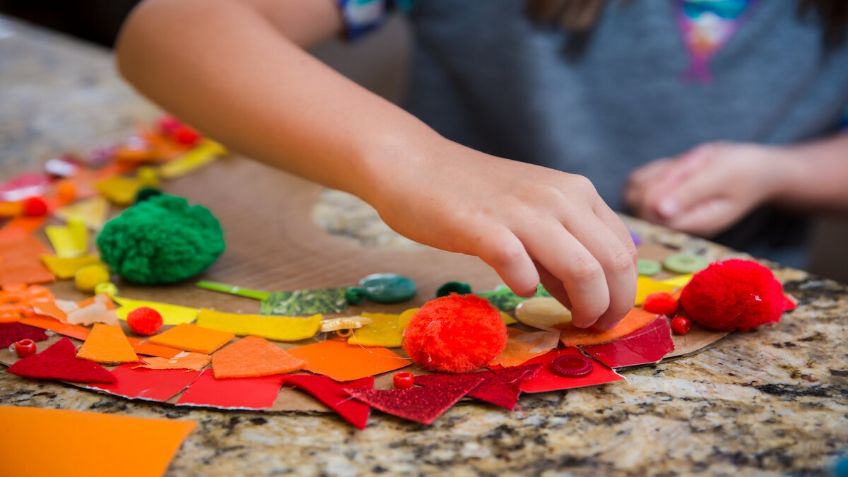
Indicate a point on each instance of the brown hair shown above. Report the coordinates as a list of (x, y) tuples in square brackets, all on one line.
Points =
[(578, 17)]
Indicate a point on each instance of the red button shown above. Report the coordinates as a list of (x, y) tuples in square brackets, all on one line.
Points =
[(571, 366)]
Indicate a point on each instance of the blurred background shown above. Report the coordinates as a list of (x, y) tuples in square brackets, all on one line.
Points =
[(378, 62)]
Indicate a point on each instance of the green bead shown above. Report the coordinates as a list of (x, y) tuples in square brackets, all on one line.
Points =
[(460, 288), (354, 296), (387, 288), (648, 267), (685, 263)]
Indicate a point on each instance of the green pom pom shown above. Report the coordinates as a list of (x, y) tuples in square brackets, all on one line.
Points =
[(354, 295), (460, 288), (161, 240), (145, 193)]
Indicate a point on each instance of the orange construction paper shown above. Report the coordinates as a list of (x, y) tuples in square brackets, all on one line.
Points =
[(343, 362), (190, 337), (636, 319), (182, 360), (64, 329), (252, 357), (107, 344), (86, 444), (145, 347)]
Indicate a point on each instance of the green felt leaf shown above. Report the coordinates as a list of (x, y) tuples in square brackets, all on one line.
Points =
[(304, 302)]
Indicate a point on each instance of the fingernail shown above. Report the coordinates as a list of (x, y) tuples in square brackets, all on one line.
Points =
[(669, 207)]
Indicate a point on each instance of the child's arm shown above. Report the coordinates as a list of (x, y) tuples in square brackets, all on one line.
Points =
[(236, 70), (709, 188)]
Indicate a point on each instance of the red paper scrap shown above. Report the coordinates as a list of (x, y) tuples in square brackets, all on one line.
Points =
[(645, 346), (235, 393), (12, 332), (149, 384), (546, 380), (60, 362), (333, 395), (501, 386)]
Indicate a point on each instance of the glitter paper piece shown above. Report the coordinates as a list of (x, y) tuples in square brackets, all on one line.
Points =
[(500, 386), (181, 360), (647, 285), (505, 299), (343, 362), (253, 357), (522, 346), (59, 442), (107, 344), (65, 268), (193, 338), (12, 332), (637, 318), (91, 211), (20, 261), (546, 380), (419, 404), (59, 362), (384, 330), (64, 329), (148, 384), (237, 393), (171, 314), (304, 302), (644, 346), (277, 328), (333, 395)]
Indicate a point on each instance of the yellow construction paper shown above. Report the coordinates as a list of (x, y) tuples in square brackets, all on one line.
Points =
[(403, 319), (206, 152), (647, 285), (107, 344), (119, 189), (70, 240), (171, 314), (38, 442), (384, 330), (679, 281), (91, 211), (64, 267), (277, 328)]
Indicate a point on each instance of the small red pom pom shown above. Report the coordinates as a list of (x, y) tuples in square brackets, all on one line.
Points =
[(660, 303), (681, 325), (186, 136), (455, 334), (733, 295), (34, 207), (144, 321)]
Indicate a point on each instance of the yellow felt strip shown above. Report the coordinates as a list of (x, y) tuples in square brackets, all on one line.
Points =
[(171, 314), (277, 328)]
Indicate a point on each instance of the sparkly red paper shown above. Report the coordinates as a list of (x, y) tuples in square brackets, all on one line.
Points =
[(149, 384), (419, 404), (60, 362), (11, 332), (546, 380), (236, 393), (333, 395), (500, 386), (644, 346)]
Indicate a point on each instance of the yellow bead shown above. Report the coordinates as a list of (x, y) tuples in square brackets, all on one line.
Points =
[(106, 288), (87, 278)]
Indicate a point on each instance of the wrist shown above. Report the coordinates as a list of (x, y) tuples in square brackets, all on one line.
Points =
[(786, 171)]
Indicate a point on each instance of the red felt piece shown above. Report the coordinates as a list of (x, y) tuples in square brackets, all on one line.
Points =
[(423, 404), (12, 332), (788, 303), (60, 362), (149, 384), (236, 393), (546, 380), (644, 346), (333, 395), (501, 386)]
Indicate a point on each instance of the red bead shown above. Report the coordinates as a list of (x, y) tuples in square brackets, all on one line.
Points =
[(24, 348), (681, 325), (403, 380), (186, 136), (144, 321), (34, 207), (660, 303)]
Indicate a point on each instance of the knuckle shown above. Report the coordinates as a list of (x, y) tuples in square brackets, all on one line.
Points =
[(586, 269), (620, 261), (503, 253)]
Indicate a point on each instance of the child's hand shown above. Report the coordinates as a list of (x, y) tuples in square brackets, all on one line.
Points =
[(708, 188), (528, 222)]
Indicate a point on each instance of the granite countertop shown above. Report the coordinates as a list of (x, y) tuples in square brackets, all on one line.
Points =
[(772, 402)]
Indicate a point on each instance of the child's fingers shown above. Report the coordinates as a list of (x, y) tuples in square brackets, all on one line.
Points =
[(697, 189), (707, 218), (504, 252), (570, 262), (553, 285)]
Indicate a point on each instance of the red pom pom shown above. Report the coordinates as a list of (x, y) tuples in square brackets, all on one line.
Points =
[(455, 334), (144, 321), (660, 303), (34, 207), (733, 295), (681, 325)]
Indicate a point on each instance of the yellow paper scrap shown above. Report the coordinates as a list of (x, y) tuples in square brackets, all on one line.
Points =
[(70, 240), (508, 319), (647, 285), (679, 281), (384, 330), (171, 314), (64, 267), (206, 152), (407, 315), (91, 211), (119, 189), (272, 327)]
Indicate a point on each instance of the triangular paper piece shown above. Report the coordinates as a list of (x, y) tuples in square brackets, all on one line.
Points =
[(644, 346), (343, 362), (68, 241), (119, 190), (637, 318), (107, 344), (252, 357), (237, 393), (148, 384), (204, 153), (547, 380), (277, 328), (12, 332), (171, 314), (142, 346), (647, 285), (64, 329), (500, 386), (182, 360), (384, 330), (91, 211), (86, 444), (419, 404), (65, 268), (333, 395), (60, 362), (193, 338), (523, 345), (98, 309)]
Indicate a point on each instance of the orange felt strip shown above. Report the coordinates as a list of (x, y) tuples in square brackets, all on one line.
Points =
[(86, 444), (107, 344), (64, 329), (142, 346), (252, 357), (636, 319), (190, 337), (343, 362)]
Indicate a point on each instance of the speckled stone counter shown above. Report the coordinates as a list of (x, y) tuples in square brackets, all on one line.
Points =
[(773, 402)]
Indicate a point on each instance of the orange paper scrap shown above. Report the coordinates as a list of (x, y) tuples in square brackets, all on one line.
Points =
[(636, 319), (181, 360), (20, 260), (343, 362), (252, 357), (64, 329), (145, 347), (523, 346), (107, 344), (190, 337)]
